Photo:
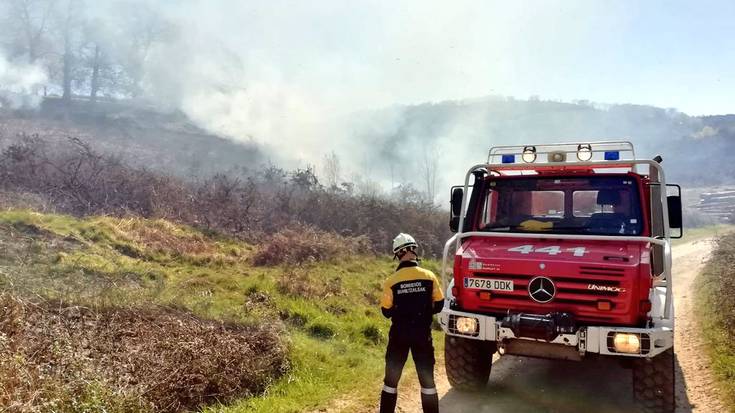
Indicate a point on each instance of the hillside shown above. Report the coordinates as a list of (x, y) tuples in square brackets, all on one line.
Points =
[(162, 140), (66, 273), (394, 145)]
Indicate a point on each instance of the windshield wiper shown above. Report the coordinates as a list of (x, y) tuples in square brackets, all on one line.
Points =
[(491, 229)]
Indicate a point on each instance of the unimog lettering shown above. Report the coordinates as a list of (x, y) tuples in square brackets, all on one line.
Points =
[(609, 288)]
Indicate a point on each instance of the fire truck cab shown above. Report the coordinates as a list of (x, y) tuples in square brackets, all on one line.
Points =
[(561, 251)]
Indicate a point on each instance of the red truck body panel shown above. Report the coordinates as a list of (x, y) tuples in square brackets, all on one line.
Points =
[(616, 273)]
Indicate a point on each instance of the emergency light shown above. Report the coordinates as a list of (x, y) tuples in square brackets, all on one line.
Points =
[(584, 152), (529, 154)]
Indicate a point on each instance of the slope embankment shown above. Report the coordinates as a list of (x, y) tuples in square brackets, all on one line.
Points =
[(129, 314), (715, 311)]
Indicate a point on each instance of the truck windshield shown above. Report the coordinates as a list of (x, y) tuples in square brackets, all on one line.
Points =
[(599, 205)]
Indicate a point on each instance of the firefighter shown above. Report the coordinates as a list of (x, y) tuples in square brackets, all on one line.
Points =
[(411, 295)]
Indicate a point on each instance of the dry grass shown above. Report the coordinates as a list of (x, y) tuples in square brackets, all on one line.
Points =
[(71, 358), (22, 200), (307, 244), (165, 237), (717, 313), (298, 282), (719, 275)]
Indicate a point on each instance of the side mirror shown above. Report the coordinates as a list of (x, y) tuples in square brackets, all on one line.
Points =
[(455, 208), (456, 202), (454, 224), (673, 202), (675, 214)]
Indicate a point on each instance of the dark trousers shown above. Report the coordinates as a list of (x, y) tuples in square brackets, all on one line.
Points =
[(418, 342)]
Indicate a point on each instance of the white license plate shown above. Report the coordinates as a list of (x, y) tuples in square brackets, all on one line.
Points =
[(488, 284)]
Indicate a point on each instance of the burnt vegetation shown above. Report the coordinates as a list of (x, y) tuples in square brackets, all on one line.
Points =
[(294, 216), (121, 313), (60, 357)]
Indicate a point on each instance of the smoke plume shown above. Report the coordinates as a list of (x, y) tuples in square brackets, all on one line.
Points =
[(19, 84)]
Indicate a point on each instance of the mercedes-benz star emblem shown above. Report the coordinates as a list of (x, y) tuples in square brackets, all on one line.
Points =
[(541, 289)]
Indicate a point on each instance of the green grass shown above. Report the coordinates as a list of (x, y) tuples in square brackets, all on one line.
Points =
[(330, 311), (695, 234), (716, 312)]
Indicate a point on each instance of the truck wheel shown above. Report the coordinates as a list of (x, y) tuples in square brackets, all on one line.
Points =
[(653, 383), (468, 362)]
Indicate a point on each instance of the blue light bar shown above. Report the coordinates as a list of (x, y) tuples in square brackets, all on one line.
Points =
[(612, 155), (509, 158)]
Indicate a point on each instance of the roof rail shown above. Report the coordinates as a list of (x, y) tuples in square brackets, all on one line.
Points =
[(559, 153)]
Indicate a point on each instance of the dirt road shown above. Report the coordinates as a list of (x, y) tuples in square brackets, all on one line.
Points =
[(600, 384)]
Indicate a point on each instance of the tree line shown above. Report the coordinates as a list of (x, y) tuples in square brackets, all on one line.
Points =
[(71, 177), (86, 48)]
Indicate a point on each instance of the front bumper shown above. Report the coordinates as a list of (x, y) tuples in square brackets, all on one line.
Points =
[(587, 339)]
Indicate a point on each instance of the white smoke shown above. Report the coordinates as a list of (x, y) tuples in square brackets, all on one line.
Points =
[(230, 95), (19, 83), (286, 75)]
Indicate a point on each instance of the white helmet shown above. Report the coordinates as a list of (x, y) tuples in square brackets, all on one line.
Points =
[(403, 241)]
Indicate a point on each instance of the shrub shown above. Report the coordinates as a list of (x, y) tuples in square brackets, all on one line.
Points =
[(321, 330), (294, 318), (719, 278), (372, 333), (307, 244), (295, 282), (717, 313), (72, 177), (157, 359)]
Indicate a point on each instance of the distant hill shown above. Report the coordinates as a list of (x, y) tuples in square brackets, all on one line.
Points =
[(394, 145), (696, 149)]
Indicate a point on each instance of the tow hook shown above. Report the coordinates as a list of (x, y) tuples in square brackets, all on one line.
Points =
[(582, 342)]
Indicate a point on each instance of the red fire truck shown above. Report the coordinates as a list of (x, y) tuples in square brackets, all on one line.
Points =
[(563, 251)]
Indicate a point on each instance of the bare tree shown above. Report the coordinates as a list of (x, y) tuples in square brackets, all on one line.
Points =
[(27, 23), (143, 26), (331, 169), (99, 71), (366, 187), (429, 169), (70, 26), (95, 82)]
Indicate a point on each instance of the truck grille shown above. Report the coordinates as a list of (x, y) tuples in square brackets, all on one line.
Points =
[(576, 293), (601, 271)]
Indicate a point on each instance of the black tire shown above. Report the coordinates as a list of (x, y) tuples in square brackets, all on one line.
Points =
[(468, 362), (653, 383)]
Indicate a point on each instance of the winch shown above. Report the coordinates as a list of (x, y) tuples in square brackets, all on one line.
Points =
[(542, 327)]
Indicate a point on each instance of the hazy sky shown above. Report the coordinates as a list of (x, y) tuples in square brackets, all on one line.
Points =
[(348, 55)]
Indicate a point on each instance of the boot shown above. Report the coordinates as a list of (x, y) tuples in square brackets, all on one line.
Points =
[(388, 402), (430, 402)]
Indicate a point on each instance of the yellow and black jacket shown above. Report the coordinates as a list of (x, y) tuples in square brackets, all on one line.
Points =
[(411, 295)]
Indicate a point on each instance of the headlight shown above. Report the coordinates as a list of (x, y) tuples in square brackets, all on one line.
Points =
[(627, 343), (466, 325)]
